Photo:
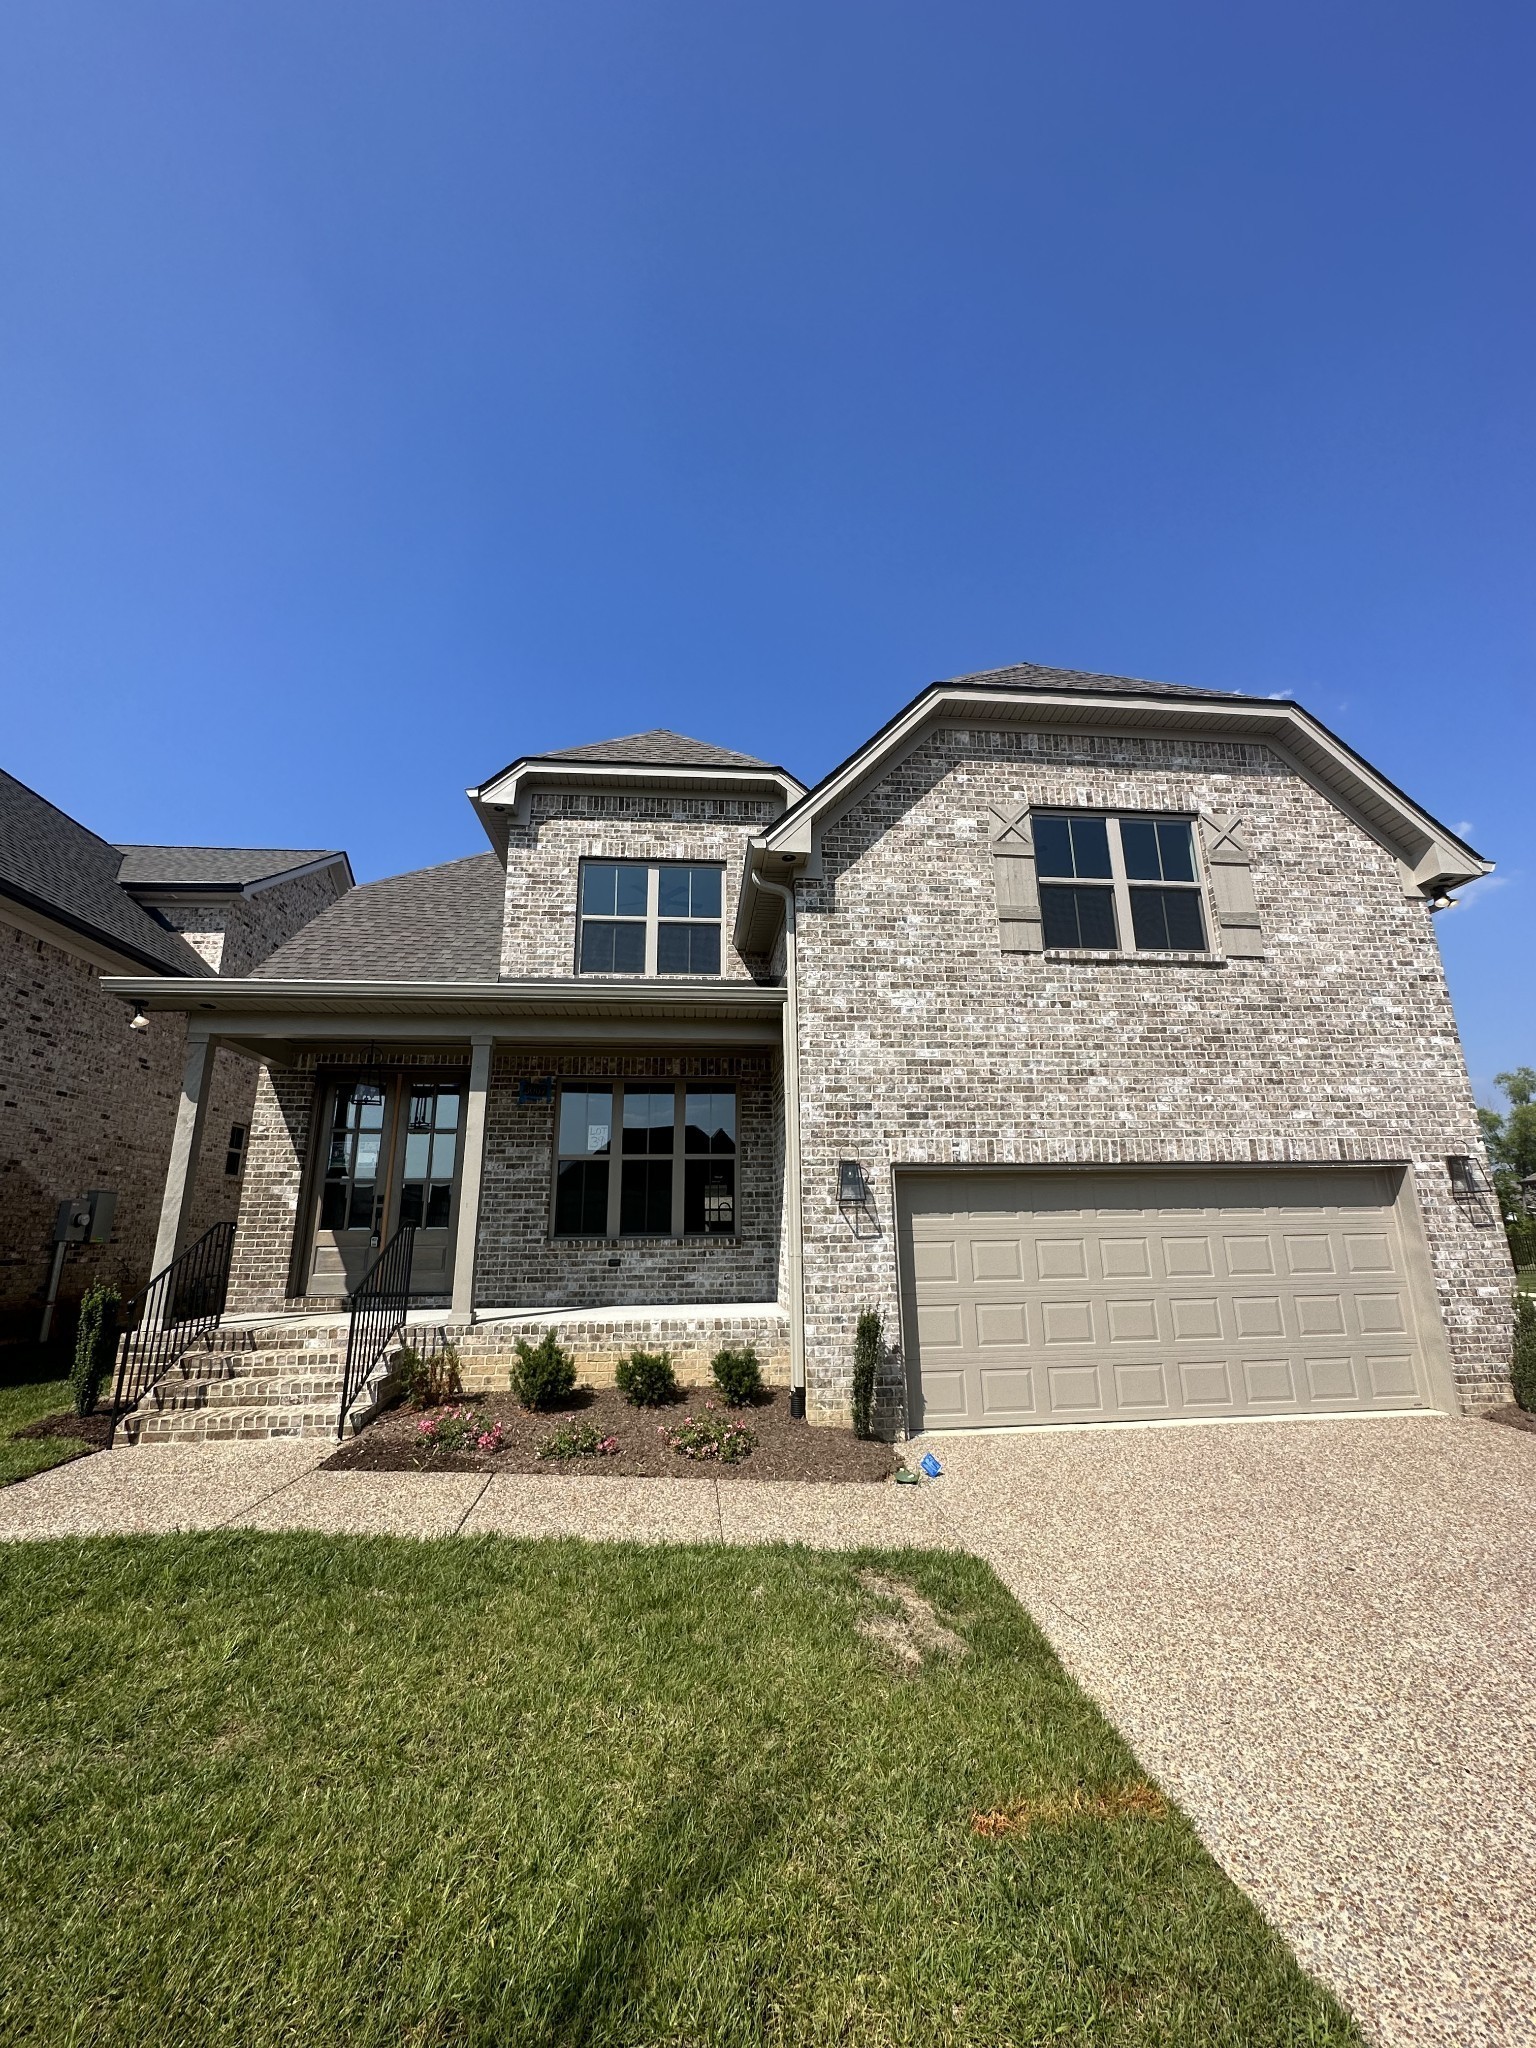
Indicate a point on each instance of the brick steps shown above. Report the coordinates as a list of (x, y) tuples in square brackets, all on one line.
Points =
[(234, 1387)]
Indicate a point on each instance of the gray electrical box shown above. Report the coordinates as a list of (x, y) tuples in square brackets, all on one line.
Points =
[(86, 1219)]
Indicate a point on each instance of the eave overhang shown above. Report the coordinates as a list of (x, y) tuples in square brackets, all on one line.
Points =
[(505, 798), (271, 1018), (1430, 855)]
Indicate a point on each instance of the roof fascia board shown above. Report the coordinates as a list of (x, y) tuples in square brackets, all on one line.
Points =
[(253, 995), (281, 1039), (1341, 775), (75, 939), (508, 790)]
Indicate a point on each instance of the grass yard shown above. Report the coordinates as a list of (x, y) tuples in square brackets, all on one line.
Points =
[(280, 1790), (32, 1385)]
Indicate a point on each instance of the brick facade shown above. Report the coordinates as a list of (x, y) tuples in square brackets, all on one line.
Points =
[(85, 1102), (922, 1042), (565, 828)]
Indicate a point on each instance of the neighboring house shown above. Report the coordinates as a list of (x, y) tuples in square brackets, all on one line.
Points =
[(1092, 1030), (85, 1101)]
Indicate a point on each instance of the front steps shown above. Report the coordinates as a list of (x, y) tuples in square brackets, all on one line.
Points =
[(240, 1386)]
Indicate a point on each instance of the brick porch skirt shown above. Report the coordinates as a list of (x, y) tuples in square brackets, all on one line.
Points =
[(598, 1339)]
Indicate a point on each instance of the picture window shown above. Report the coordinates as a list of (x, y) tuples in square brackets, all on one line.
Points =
[(675, 1159)]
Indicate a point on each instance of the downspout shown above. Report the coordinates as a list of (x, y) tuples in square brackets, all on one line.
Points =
[(786, 894)]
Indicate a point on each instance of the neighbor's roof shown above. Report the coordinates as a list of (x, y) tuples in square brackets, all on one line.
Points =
[(52, 864), (215, 867), (658, 749), (432, 924)]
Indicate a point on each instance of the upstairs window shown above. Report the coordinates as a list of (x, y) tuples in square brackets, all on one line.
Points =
[(653, 918), (1111, 885)]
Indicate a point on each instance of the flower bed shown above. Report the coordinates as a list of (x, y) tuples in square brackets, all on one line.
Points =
[(599, 1433)]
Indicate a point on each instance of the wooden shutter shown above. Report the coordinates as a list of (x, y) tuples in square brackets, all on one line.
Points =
[(1013, 870), (1237, 912)]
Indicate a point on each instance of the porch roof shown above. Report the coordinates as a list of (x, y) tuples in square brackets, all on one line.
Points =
[(267, 1017)]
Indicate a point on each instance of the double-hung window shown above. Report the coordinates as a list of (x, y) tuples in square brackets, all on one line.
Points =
[(1118, 884), (660, 917), (638, 1159)]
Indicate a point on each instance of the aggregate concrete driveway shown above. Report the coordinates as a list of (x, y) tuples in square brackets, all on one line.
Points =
[(1317, 1635)]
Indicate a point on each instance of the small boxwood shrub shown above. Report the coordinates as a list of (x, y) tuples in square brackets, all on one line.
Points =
[(1522, 1370), (544, 1374), (646, 1379), (95, 1346), (868, 1344), (738, 1376)]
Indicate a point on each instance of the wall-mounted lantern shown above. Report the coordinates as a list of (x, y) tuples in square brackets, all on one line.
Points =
[(1469, 1185), (855, 1197), (529, 1091)]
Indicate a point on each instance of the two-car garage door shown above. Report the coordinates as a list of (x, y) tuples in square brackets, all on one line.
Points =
[(1133, 1294)]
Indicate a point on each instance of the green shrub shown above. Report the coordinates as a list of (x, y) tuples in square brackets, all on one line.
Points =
[(1521, 1232), (646, 1379), (710, 1435), (429, 1377), (1522, 1370), (543, 1374), (95, 1346), (868, 1348), (578, 1440), (738, 1376)]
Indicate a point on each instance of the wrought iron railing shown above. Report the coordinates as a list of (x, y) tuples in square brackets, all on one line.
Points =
[(182, 1303), (377, 1307)]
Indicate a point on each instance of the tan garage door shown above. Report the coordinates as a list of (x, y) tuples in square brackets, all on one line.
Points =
[(1131, 1295)]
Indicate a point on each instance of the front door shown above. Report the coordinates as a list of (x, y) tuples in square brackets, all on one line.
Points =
[(391, 1157)]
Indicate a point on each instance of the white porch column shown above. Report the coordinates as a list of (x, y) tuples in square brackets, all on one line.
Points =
[(186, 1144), (471, 1168)]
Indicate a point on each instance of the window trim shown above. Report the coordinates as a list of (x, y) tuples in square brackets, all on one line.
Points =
[(1120, 885), (653, 920), (235, 1151), (616, 1086)]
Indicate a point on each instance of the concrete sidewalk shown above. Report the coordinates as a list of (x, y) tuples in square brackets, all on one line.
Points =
[(1319, 1636)]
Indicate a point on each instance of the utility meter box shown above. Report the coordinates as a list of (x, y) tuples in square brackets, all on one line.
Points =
[(86, 1219)]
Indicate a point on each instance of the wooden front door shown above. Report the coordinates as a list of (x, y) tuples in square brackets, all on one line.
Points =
[(391, 1156)]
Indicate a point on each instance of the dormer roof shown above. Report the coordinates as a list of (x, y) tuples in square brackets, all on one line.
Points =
[(640, 760)]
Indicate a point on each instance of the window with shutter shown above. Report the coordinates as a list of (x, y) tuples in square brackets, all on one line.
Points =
[(1013, 871), (1237, 911)]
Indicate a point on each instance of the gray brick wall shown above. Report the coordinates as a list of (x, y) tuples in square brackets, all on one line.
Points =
[(922, 1042), (565, 828), (237, 936)]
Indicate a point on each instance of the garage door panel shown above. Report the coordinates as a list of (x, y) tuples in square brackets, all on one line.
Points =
[(1036, 1296)]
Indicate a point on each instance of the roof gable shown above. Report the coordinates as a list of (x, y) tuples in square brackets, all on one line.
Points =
[(656, 749), (51, 863)]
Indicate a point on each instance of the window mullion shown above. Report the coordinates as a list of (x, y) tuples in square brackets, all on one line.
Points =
[(1126, 929), (679, 1168), (615, 1156), (652, 902)]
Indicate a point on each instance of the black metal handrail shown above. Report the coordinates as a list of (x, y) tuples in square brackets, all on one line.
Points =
[(377, 1307), (182, 1303)]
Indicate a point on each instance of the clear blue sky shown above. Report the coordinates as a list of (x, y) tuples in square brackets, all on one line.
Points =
[(386, 390)]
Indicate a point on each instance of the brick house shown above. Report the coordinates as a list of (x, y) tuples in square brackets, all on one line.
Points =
[(1092, 1030), (86, 1102)]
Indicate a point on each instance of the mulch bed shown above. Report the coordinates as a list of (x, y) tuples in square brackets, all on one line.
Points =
[(786, 1449), (1515, 1418), (90, 1429)]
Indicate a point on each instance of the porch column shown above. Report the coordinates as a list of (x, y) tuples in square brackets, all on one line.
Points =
[(470, 1170), (186, 1144)]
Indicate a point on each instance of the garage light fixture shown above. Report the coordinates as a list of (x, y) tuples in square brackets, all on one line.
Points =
[(1469, 1185), (138, 1021), (854, 1196)]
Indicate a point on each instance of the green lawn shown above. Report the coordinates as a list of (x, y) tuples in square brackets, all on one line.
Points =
[(31, 1386), (291, 1789)]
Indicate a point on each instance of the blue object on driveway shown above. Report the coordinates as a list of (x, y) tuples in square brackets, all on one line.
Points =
[(929, 1463)]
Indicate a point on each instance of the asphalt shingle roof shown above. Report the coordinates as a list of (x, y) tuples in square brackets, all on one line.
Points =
[(658, 749), (432, 924), (227, 867), (53, 864), (1027, 675)]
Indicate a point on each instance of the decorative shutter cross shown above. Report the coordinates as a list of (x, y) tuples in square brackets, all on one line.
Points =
[(1237, 910), (1013, 871)]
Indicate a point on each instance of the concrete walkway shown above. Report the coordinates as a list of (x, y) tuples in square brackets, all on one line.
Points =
[(1317, 1635)]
